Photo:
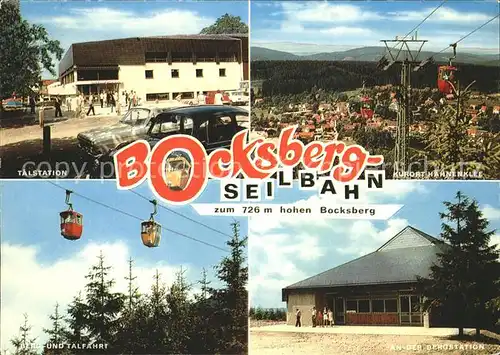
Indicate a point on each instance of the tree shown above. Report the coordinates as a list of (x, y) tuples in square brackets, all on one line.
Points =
[(180, 317), (57, 334), (24, 344), (158, 320), (467, 277), (25, 50), (226, 24), (76, 322), (233, 272), (103, 306), (129, 337)]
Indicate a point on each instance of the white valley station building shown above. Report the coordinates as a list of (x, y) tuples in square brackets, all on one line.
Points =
[(156, 68)]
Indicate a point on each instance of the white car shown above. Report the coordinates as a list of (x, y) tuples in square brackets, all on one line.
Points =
[(238, 97)]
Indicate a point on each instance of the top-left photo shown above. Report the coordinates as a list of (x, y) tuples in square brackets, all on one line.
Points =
[(81, 80)]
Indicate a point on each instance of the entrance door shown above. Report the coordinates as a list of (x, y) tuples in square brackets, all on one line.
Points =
[(339, 311), (410, 310)]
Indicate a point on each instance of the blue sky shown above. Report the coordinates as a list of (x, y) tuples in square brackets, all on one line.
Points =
[(82, 21), (312, 27), (285, 250), (34, 254)]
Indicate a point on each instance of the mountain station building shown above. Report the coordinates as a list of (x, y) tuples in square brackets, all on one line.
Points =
[(376, 289), (156, 68)]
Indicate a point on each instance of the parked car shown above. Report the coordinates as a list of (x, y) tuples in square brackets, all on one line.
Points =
[(213, 125), (238, 97), (98, 143)]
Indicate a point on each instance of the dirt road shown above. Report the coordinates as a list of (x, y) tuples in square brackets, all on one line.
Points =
[(21, 153), (68, 128), (274, 343)]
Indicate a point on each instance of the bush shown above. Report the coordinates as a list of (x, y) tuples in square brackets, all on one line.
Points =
[(274, 314)]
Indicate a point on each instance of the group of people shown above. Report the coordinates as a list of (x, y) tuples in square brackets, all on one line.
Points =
[(131, 99), (319, 318), (108, 99)]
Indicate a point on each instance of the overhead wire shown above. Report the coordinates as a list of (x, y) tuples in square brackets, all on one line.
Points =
[(467, 35), (183, 216), (138, 218)]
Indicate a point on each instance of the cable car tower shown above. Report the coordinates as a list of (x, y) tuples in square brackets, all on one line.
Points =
[(407, 59)]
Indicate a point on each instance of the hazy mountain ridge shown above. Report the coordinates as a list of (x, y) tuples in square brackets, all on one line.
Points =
[(369, 54)]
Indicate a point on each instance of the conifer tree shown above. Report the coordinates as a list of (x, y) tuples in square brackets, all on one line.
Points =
[(180, 317), (103, 305), (57, 334), (233, 272), (467, 276), (132, 318), (76, 320), (24, 344), (158, 327)]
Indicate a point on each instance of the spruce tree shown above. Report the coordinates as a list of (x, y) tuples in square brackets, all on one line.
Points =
[(76, 320), (233, 272), (57, 334), (203, 316), (103, 305), (467, 276), (158, 325), (180, 317), (132, 319), (24, 344)]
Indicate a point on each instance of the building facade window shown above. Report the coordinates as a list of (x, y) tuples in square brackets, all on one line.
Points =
[(364, 306), (149, 74), (158, 96), (222, 72), (175, 73), (156, 57), (199, 73)]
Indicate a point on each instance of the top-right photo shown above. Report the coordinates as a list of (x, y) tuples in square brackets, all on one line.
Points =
[(416, 82)]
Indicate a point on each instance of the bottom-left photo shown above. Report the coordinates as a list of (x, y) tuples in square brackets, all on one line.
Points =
[(89, 269)]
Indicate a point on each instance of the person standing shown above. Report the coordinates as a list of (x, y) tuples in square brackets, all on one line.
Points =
[(57, 104), (102, 99), (313, 317), (32, 104), (218, 98), (68, 103), (112, 101), (298, 314), (325, 316), (319, 318), (130, 99), (330, 317), (91, 105)]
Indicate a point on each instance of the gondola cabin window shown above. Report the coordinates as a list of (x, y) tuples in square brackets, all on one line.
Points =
[(150, 233), (71, 225)]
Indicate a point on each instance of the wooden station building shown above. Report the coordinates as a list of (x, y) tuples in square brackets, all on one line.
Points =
[(376, 289)]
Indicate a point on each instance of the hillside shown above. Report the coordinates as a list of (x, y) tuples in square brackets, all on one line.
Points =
[(368, 54), (298, 76)]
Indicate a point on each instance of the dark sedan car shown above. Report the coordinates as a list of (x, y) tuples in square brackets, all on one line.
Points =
[(213, 126)]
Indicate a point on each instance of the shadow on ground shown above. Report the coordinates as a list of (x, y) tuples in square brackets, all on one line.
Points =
[(24, 160)]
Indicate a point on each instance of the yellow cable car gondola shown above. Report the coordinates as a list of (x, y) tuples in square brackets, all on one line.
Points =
[(178, 170), (151, 230)]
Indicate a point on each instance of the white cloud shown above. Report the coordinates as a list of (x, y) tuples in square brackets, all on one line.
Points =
[(327, 13), (33, 287), (446, 15), (491, 213), (114, 21), (342, 30)]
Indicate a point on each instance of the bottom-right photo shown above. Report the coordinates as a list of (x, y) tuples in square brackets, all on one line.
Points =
[(344, 280)]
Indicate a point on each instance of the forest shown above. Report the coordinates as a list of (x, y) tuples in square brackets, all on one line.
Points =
[(166, 320), (295, 77)]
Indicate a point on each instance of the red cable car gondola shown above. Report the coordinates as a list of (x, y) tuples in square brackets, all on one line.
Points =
[(447, 75), (150, 230), (71, 221), (366, 107)]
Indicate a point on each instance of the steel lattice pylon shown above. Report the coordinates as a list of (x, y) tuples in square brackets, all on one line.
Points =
[(407, 59)]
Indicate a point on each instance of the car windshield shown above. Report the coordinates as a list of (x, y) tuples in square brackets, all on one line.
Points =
[(136, 116)]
